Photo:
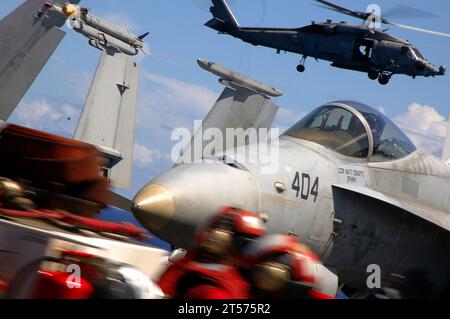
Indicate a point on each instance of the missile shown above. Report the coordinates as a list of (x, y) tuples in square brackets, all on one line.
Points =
[(99, 32), (100, 45), (98, 39), (229, 77), (112, 30)]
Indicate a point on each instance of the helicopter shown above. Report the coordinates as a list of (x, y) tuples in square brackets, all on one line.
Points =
[(361, 48)]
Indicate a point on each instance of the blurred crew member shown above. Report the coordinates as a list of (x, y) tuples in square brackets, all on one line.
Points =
[(278, 266), (209, 271)]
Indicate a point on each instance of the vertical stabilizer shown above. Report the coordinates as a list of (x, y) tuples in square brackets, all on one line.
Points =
[(28, 38), (235, 108), (108, 119), (222, 11), (223, 18), (242, 105)]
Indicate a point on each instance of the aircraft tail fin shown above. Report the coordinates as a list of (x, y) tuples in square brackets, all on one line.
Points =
[(143, 36), (238, 107), (28, 38), (223, 17), (108, 119), (446, 154)]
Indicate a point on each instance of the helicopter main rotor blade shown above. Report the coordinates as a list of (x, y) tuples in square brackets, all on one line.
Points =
[(403, 11), (408, 27), (334, 7), (327, 8), (365, 15)]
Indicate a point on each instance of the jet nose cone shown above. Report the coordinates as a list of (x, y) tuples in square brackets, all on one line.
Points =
[(179, 202), (154, 207)]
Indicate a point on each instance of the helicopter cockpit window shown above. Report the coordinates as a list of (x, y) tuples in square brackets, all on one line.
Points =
[(407, 51), (418, 54), (335, 128)]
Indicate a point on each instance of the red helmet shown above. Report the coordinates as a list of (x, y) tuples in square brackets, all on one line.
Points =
[(281, 266), (231, 228)]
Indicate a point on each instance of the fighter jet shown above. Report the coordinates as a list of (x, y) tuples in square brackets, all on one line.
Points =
[(349, 183)]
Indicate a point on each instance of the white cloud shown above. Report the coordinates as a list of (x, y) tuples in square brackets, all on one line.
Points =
[(145, 157), (175, 93), (382, 110), (286, 118), (146, 50), (77, 81), (425, 126), (424, 119), (41, 115), (166, 104)]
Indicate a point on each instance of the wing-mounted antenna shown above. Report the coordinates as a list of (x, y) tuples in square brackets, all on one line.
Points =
[(28, 37), (244, 103)]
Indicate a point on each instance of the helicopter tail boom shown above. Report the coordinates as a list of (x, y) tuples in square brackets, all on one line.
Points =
[(223, 16)]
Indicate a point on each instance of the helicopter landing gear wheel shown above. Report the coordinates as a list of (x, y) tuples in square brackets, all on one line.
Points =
[(384, 79), (301, 68), (373, 74)]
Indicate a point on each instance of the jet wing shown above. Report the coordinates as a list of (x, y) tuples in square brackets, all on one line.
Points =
[(27, 41), (434, 216)]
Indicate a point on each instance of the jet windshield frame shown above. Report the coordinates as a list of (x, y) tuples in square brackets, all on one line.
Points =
[(402, 144)]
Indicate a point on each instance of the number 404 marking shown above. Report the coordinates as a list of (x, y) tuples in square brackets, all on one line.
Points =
[(304, 188)]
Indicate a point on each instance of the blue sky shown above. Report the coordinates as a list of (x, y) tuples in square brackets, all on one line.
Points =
[(175, 91)]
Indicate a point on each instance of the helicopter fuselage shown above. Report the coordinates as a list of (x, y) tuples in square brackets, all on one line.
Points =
[(347, 46)]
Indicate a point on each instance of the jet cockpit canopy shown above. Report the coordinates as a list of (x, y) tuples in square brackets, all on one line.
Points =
[(354, 130)]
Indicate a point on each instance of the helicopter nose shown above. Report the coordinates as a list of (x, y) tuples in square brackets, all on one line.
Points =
[(432, 70), (425, 68), (421, 66), (176, 204)]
